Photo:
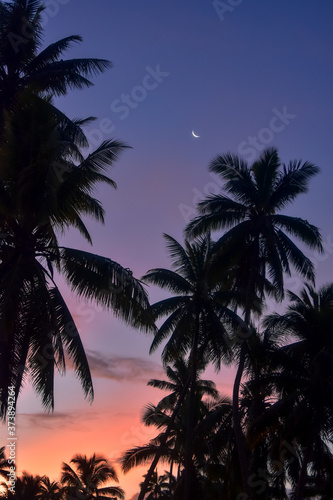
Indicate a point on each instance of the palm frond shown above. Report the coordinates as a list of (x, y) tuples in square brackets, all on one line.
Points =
[(167, 327), (179, 258), (217, 212), (71, 339), (301, 263), (293, 181), (111, 491), (98, 278), (142, 455), (300, 228), (266, 172), (52, 53), (60, 76), (168, 280), (235, 171), (103, 157)]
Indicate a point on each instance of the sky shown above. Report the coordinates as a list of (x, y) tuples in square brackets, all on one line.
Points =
[(243, 75)]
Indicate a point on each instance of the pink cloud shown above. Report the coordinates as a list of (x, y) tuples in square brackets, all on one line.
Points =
[(121, 368)]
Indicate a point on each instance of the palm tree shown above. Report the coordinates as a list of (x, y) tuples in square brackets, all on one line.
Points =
[(51, 490), (23, 65), (46, 187), (178, 376), (27, 487), (305, 383), (36, 203), (89, 478), (211, 414), (269, 458), (197, 317), (4, 467), (159, 487), (159, 415), (257, 237)]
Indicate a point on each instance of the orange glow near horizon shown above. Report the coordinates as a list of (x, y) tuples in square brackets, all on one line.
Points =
[(110, 426)]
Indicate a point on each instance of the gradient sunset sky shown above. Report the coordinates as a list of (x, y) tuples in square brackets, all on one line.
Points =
[(243, 75)]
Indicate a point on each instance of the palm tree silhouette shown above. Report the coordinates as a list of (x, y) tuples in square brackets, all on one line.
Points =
[(51, 490), (197, 319), (36, 203), (89, 477), (257, 237), (158, 487), (304, 383), (27, 487), (177, 378), (268, 455), (211, 414), (22, 64)]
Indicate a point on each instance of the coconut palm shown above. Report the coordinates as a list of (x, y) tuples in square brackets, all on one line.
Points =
[(23, 65), (178, 376), (197, 315), (158, 487), (210, 416), (89, 478), (36, 204), (304, 383), (51, 490), (267, 463), (27, 487), (159, 415), (257, 236), (46, 187)]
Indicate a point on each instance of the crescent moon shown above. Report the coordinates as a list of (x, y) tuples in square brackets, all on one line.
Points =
[(194, 135)]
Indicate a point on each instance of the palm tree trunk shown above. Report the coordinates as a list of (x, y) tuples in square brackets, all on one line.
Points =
[(165, 437), (188, 465), (170, 478), (303, 474), (240, 442)]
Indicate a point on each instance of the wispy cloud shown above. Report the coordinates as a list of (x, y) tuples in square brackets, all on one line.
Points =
[(56, 420), (121, 368), (48, 420)]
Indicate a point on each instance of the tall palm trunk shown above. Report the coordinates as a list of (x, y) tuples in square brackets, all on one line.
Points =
[(188, 479), (240, 441), (164, 439), (170, 478), (303, 474)]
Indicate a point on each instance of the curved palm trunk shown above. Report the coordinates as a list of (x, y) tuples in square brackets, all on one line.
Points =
[(165, 437), (188, 482)]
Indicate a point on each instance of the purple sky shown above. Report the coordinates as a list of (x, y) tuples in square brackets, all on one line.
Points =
[(229, 74)]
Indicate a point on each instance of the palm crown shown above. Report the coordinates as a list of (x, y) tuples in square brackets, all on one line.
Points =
[(21, 63), (255, 230), (89, 477), (46, 187), (199, 304)]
